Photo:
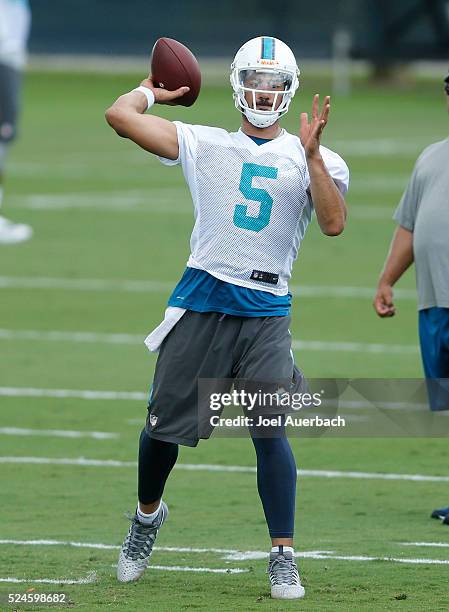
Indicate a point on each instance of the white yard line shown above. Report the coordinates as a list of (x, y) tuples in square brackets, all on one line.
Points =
[(321, 473), (80, 461), (169, 199), (161, 197), (58, 433), (60, 543), (151, 203), (231, 554), (77, 336), (89, 394), (88, 580), (428, 544), (163, 205), (210, 570), (136, 339), (199, 570), (418, 561), (100, 546), (163, 202), (73, 393), (145, 286), (114, 463)]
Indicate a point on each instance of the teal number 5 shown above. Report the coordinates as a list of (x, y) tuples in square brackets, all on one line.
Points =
[(241, 217)]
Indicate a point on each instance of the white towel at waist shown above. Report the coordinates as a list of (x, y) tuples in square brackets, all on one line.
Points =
[(154, 340)]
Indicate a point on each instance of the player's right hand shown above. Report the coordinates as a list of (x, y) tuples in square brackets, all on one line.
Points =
[(383, 301), (164, 96)]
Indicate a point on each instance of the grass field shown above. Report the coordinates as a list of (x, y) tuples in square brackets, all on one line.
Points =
[(111, 239)]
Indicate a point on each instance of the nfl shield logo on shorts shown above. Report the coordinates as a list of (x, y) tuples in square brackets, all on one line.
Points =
[(153, 420)]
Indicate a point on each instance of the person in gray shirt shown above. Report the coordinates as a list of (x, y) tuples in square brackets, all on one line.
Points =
[(422, 237)]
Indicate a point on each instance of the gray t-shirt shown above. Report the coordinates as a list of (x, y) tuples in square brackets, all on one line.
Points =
[(424, 210)]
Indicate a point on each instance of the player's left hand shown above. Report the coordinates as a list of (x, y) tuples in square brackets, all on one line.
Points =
[(310, 133)]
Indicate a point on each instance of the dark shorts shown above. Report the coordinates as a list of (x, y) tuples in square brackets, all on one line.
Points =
[(213, 351), (434, 340), (10, 83)]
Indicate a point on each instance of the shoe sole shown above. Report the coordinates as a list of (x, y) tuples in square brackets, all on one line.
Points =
[(287, 592)]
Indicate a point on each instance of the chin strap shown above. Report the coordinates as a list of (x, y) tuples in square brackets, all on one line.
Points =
[(261, 121)]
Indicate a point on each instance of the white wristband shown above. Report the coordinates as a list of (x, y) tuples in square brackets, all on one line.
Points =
[(148, 94)]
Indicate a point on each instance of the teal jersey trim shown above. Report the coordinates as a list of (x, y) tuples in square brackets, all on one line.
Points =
[(260, 141), (268, 45), (200, 291)]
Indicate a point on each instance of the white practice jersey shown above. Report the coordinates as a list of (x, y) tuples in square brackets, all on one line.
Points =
[(251, 203), (15, 20)]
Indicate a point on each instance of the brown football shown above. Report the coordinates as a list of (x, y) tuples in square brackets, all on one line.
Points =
[(172, 66)]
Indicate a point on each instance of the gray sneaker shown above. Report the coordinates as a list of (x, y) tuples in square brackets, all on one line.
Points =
[(284, 577), (138, 546)]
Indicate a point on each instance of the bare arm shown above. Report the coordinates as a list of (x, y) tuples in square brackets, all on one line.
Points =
[(399, 259), (154, 134), (328, 202)]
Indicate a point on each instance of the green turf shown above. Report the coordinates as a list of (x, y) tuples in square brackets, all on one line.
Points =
[(102, 209)]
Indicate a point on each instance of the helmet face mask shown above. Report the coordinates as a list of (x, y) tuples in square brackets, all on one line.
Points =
[(264, 74), (263, 85)]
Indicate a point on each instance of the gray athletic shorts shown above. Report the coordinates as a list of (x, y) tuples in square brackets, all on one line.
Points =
[(222, 350), (10, 83)]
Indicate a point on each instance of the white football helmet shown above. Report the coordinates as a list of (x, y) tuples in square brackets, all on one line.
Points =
[(264, 65)]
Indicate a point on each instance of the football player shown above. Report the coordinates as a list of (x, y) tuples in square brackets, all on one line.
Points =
[(253, 194), (14, 29)]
